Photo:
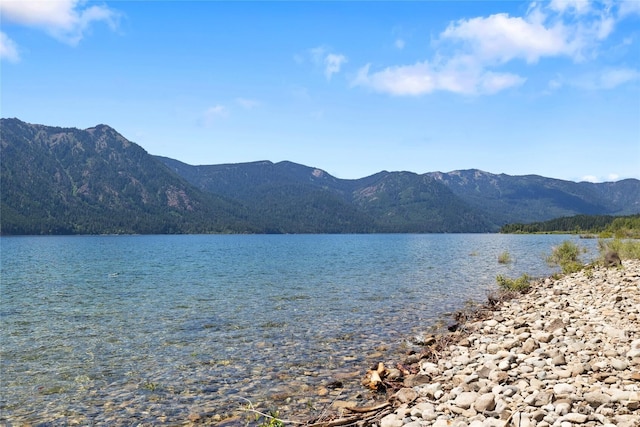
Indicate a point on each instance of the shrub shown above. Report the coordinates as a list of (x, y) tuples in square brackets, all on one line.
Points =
[(504, 258), (627, 249), (521, 284), (567, 257)]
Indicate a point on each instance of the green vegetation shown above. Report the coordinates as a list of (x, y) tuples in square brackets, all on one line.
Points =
[(272, 420), (626, 227), (521, 284), (603, 225), (151, 386), (504, 258), (567, 257), (626, 249)]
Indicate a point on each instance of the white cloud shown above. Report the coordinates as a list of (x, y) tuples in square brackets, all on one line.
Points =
[(400, 44), (66, 20), (457, 76), (607, 79), (331, 62), (590, 178), (594, 179), (491, 82), (579, 7), (247, 103), (211, 114), (500, 38), (8, 49), (615, 77), (413, 80), (629, 7), (470, 54)]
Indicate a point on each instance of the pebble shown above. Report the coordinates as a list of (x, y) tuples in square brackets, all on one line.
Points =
[(565, 354)]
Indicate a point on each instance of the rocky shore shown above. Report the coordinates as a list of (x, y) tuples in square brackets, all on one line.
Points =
[(567, 353)]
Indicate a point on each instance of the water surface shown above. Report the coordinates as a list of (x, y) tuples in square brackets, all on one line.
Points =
[(111, 330)]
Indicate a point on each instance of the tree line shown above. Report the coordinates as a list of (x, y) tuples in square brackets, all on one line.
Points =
[(604, 225)]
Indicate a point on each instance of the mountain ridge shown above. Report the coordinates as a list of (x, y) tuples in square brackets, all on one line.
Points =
[(58, 180)]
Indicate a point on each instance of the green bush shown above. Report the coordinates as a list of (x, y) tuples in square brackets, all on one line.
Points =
[(626, 249), (504, 258), (567, 257), (521, 284)]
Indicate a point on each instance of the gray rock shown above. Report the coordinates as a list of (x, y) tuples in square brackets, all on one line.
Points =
[(596, 398), (406, 395)]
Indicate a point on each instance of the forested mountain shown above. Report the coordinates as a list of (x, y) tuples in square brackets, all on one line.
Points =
[(532, 198), (68, 181), (288, 193)]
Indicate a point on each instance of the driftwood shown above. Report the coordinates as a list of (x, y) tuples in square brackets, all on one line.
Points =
[(365, 415), (373, 378), (369, 408)]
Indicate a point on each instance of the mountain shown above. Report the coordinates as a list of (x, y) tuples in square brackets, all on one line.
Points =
[(70, 181), (294, 198), (532, 198)]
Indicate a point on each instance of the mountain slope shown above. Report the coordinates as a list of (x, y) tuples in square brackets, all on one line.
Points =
[(410, 203), (284, 197), (309, 198), (70, 181), (532, 198)]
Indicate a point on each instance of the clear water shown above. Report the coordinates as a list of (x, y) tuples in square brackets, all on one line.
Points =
[(116, 329)]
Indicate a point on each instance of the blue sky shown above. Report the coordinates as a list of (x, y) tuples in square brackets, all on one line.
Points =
[(353, 88)]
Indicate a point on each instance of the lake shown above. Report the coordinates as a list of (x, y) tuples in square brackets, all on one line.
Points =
[(113, 330)]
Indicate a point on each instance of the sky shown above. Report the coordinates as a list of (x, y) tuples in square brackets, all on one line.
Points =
[(353, 88)]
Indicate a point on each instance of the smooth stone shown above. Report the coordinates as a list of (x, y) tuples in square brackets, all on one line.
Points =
[(406, 395), (541, 399), (558, 360), (619, 365), (529, 345), (391, 420), (596, 398), (493, 348), (575, 417), (564, 389), (562, 408), (486, 402), (466, 399)]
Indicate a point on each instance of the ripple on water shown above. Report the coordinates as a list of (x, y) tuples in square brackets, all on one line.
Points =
[(198, 324)]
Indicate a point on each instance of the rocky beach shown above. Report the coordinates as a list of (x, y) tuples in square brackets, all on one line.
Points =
[(566, 353)]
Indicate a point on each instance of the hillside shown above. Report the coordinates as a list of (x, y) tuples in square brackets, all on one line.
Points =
[(70, 181), (311, 199), (532, 198)]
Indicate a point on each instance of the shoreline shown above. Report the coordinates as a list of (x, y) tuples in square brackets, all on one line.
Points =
[(565, 353)]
